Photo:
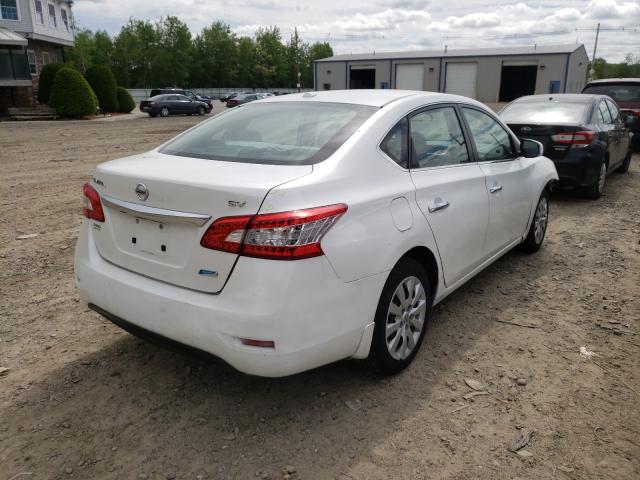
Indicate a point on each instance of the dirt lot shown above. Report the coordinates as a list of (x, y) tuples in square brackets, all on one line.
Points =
[(82, 399)]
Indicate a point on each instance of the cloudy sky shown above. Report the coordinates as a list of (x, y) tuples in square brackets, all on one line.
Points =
[(391, 25)]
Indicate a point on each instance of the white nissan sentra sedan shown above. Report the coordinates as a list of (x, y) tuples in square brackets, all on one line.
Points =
[(295, 231)]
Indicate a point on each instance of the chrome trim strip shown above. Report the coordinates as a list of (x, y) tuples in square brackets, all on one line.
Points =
[(153, 213)]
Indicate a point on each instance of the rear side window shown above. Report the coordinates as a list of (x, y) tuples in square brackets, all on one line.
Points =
[(615, 113), (492, 141), (281, 133), (395, 144), (604, 114), (437, 139)]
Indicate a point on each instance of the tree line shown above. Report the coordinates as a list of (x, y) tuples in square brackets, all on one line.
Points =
[(629, 68), (146, 54)]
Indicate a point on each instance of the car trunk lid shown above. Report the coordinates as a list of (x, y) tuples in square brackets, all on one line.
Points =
[(544, 134), (158, 206)]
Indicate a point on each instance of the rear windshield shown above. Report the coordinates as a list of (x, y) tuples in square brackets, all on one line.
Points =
[(620, 92), (544, 112), (297, 133)]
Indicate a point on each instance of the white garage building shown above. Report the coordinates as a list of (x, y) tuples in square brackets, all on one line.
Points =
[(488, 74)]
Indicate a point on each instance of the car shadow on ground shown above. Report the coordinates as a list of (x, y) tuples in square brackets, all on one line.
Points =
[(133, 407)]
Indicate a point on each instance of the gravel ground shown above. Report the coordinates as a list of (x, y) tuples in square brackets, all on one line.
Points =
[(83, 399)]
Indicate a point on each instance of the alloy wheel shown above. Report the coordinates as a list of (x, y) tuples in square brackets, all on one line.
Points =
[(540, 220), (405, 317), (164, 112)]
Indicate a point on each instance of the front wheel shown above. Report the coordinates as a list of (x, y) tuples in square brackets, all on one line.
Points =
[(401, 317), (200, 111), (624, 168), (538, 227)]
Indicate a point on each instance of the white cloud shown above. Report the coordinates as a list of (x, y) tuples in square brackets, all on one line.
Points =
[(365, 25)]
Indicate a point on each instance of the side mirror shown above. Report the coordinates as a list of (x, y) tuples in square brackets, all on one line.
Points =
[(531, 148), (630, 120)]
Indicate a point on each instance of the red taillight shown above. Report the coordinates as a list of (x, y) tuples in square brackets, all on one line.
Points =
[(574, 139), (281, 236), (92, 206)]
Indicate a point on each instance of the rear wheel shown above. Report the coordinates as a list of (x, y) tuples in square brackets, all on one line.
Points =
[(153, 114), (164, 112), (624, 168), (538, 228), (401, 317), (595, 190)]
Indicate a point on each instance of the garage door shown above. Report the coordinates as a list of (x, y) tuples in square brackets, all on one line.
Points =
[(461, 79), (410, 77)]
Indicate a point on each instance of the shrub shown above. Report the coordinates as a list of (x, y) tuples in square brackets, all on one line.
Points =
[(125, 101), (71, 95), (103, 83), (47, 74)]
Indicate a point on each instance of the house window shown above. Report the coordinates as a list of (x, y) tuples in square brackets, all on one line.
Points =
[(53, 21), (33, 67), (39, 12), (9, 10), (45, 58), (65, 19)]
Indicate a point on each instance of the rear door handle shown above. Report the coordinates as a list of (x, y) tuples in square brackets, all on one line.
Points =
[(438, 204), (495, 189)]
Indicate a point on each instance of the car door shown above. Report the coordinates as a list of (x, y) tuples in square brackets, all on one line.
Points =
[(450, 188), (184, 104), (507, 176), (621, 131), (611, 136)]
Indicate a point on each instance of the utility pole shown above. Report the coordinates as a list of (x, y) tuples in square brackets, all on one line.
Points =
[(592, 72), (297, 54)]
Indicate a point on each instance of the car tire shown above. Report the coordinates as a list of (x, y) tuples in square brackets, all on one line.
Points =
[(200, 111), (596, 189), (401, 318), (624, 168), (164, 112), (153, 115), (538, 228)]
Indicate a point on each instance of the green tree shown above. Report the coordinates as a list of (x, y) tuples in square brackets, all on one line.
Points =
[(103, 83), (135, 48), (102, 50), (270, 66), (246, 59), (80, 54), (171, 62), (71, 95), (215, 57)]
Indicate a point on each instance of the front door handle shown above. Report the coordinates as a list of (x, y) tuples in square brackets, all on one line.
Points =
[(495, 189), (438, 204)]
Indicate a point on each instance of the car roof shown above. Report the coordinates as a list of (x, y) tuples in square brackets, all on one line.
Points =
[(613, 80), (373, 98), (560, 97)]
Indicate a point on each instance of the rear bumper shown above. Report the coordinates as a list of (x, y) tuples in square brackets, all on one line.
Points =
[(313, 317), (580, 168)]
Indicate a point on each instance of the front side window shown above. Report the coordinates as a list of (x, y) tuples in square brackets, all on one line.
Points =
[(33, 67), (53, 21), (65, 19), (492, 141), (437, 139), (395, 144), (279, 133), (9, 10), (39, 12), (605, 115)]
